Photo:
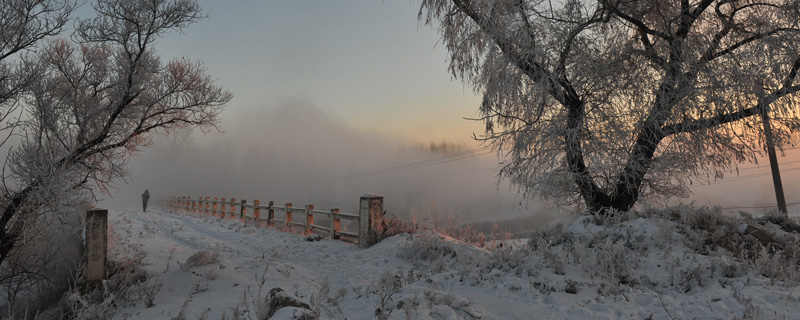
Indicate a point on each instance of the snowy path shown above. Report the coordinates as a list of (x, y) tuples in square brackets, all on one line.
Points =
[(458, 282)]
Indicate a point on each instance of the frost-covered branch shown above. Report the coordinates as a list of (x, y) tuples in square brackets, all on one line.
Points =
[(622, 99)]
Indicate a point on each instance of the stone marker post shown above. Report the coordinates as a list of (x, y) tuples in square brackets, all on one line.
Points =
[(370, 217), (96, 244)]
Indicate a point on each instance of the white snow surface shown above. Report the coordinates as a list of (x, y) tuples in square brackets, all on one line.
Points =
[(429, 276)]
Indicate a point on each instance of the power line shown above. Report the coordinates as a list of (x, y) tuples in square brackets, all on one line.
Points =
[(749, 176), (759, 207), (425, 163), (760, 167)]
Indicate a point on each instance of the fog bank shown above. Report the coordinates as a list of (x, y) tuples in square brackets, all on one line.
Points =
[(297, 153)]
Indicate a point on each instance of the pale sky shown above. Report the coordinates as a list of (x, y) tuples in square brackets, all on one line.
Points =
[(368, 62)]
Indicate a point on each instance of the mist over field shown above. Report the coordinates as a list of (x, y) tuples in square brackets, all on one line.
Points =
[(295, 152), (298, 153)]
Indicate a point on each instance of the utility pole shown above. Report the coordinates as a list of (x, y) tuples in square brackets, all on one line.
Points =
[(773, 162)]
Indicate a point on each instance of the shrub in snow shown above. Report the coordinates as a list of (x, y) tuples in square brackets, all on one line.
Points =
[(149, 292), (278, 299), (201, 258), (385, 228), (35, 275), (260, 302), (543, 239), (571, 286), (322, 303), (126, 286), (426, 247), (386, 286), (80, 306)]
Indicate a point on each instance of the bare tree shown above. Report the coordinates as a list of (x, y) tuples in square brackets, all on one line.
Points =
[(611, 100), (95, 101), (23, 24)]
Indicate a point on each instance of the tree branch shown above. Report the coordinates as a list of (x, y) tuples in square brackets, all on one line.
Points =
[(737, 45), (639, 24)]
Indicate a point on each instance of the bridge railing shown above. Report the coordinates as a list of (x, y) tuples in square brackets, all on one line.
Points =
[(360, 227)]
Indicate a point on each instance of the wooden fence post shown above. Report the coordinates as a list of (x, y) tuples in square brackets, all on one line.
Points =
[(336, 224), (287, 209), (309, 218), (222, 208), (242, 210), (214, 207), (96, 244), (233, 208), (256, 210), (270, 216), (370, 218)]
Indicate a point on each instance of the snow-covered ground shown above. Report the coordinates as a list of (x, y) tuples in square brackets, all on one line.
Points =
[(201, 267)]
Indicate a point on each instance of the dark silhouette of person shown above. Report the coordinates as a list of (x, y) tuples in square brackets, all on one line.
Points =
[(145, 197)]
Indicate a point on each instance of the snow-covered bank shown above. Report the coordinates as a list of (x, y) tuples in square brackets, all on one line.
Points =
[(661, 266)]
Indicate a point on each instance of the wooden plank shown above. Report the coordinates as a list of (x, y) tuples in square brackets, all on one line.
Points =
[(316, 227), (347, 216), (321, 213)]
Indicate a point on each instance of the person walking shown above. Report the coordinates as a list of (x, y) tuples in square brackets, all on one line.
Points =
[(145, 197)]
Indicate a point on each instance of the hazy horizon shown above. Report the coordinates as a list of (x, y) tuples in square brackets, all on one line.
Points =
[(296, 152)]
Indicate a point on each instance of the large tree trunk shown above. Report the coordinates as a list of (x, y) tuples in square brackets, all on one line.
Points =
[(629, 181)]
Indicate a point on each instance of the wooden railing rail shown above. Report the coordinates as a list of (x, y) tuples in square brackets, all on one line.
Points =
[(334, 223)]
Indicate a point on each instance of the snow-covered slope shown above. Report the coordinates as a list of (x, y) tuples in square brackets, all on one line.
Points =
[(666, 265)]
